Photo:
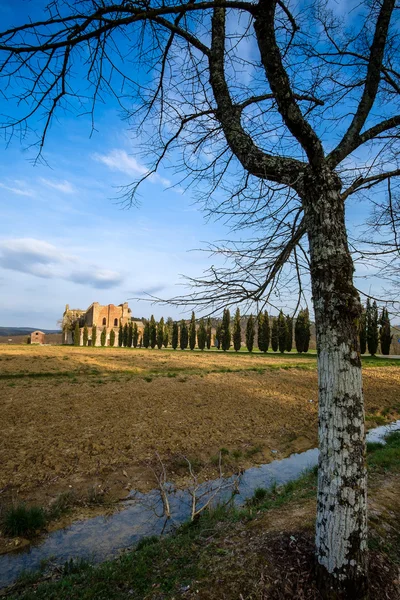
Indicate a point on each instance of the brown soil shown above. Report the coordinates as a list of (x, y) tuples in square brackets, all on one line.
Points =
[(97, 417)]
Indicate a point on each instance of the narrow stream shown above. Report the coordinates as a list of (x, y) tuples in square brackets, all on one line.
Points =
[(101, 538)]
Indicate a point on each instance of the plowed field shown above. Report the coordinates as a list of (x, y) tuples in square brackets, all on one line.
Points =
[(75, 417)]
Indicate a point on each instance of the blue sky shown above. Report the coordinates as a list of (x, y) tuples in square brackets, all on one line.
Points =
[(65, 239), (63, 236)]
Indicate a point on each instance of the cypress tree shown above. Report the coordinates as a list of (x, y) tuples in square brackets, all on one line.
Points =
[(201, 335), (282, 332), (289, 333), (275, 335), (218, 336), (184, 336), (175, 335), (153, 331), (263, 331), (192, 332), (94, 335), (385, 336), (160, 333), (112, 337), (260, 319), (135, 335), (77, 335), (372, 328), (299, 332), (169, 325), (146, 335), (250, 333), (307, 330), (120, 335), (166, 336), (267, 331), (209, 335), (125, 335), (130, 334), (226, 330), (363, 332), (103, 337), (237, 331), (85, 335)]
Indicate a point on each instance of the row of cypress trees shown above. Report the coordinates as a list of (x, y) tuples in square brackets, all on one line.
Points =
[(159, 334), (279, 334), (375, 330), (128, 335)]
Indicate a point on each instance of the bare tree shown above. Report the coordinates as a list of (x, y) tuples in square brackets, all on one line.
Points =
[(285, 111)]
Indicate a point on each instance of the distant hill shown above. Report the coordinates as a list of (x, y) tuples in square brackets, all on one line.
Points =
[(24, 330)]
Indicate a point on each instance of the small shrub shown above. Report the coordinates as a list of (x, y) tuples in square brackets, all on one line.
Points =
[(237, 454), (147, 541), (252, 451), (214, 460), (23, 520), (259, 494), (27, 577), (95, 495), (74, 566), (378, 419), (62, 504)]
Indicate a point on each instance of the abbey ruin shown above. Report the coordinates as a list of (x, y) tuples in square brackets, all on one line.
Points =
[(107, 316)]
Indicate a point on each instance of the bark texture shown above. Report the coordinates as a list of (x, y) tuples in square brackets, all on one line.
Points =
[(341, 528)]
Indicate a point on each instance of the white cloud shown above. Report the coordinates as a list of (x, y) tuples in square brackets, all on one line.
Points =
[(98, 278), (41, 259), (120, 160), (62, 186), (20, 191)]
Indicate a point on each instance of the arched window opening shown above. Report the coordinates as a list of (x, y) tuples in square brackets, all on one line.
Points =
[(104, 321), (115, 322)]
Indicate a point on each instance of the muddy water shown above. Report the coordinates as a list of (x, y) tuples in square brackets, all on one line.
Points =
[(101, 538)]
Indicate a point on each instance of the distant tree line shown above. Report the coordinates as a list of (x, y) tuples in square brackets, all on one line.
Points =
[(276, 333)]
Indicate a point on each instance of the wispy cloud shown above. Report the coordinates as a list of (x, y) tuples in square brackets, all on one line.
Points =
[(120, 160), (149, 290), (41, 259), (62, 186), (20, 191)]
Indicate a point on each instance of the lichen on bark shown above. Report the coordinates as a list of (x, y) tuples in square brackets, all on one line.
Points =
[(341, 528)]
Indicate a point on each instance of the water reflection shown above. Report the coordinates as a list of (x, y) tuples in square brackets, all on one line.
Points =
[(103, 537)]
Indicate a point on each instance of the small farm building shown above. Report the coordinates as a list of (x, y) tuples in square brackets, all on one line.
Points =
[(38, 337)]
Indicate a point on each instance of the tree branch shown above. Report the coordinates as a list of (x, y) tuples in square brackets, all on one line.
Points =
[(278, 169), (350, 140), (278, 79)]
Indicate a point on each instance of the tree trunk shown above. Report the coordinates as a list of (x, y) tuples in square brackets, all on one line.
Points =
[(341, 528)]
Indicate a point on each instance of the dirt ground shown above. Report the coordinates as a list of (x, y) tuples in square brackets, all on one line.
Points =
[(272, 556), (74, 418)]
